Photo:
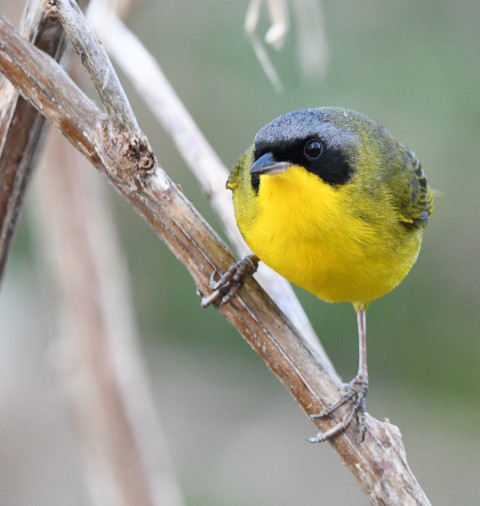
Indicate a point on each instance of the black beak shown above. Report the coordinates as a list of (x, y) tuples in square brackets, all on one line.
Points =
[(267, 164)]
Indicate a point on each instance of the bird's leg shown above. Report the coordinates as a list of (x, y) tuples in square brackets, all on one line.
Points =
[(356, 391), (229, 283), (361, 379)]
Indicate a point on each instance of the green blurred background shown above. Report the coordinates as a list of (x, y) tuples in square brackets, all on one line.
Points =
[(235, 436)]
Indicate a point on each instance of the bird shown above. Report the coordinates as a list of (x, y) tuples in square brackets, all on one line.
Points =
[(329, 199)]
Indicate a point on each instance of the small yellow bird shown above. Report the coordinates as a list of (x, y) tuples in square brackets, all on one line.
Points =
[(333, 202)]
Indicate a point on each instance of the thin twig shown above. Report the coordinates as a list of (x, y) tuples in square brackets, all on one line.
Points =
[(379, 462), (312, 47), (278, 31), (94, 57)]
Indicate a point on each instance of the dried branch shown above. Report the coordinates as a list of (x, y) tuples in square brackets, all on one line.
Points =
[(379, 462), (21, 124), (101, 364), (94, 58), (122, 427)]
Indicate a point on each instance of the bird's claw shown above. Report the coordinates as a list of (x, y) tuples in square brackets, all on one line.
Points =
[(225, 287), (355, 394)]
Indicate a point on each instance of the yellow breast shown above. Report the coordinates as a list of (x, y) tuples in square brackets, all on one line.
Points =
[(335, 242)]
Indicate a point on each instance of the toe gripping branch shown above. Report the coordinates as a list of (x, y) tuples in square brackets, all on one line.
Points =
[(224, 288), (354, 396), (355, 391)]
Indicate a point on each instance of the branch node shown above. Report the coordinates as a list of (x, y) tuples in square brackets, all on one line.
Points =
[(138, 150), (146, 162), (134, 154), (51, 11)]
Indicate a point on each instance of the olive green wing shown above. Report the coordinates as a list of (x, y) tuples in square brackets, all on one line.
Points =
[(415, 198)]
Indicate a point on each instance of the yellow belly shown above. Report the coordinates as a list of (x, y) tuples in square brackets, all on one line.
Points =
[(335, 271), (333, 244)]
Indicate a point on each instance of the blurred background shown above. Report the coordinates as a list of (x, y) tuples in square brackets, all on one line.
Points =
[(234, 434)]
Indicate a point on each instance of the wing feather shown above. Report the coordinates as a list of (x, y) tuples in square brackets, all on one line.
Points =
[(416, 203)]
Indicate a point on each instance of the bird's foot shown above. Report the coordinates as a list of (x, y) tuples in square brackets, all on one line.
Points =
[(355, 394), (229, 283)]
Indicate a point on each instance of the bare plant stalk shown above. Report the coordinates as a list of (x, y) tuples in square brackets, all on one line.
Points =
[(124, 448), (21, 124), (154, 88), (128, 460), (379, 462)]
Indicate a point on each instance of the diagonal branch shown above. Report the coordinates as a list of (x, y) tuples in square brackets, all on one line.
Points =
[(379, 462), (99, 68)]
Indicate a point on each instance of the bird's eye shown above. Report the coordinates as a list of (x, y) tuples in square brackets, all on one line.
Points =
[(313, 149)]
